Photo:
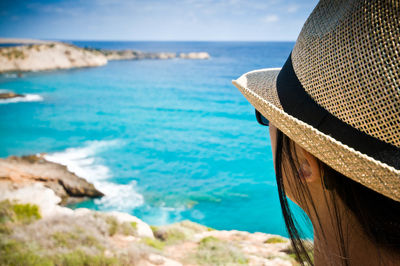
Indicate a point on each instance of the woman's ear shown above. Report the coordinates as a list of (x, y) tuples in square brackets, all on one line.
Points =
[(309, 167)]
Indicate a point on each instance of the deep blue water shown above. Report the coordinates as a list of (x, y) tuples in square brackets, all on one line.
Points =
[(166, 140)]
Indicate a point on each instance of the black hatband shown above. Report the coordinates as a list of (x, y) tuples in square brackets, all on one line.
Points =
[(298, 103)]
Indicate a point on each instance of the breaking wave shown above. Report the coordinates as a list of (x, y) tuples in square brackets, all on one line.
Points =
[(25, 98), (85, 162)]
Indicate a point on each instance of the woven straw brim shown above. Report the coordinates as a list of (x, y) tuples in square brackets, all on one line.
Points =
[(259, 87)]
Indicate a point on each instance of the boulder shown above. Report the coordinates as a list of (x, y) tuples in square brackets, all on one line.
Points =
[(31, 169)]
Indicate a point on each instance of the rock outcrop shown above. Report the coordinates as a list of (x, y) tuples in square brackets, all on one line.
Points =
[(9, 95), (48, 56), (18, 172)]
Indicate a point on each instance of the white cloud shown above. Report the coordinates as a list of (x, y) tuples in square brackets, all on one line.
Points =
[(292, 8), (270, 18)]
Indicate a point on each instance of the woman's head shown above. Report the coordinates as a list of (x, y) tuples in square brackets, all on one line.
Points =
[(336, 102), (335, 204)]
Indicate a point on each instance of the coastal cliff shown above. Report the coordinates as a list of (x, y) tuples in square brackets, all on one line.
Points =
[(57, 55), (48, 56), (35, 229)]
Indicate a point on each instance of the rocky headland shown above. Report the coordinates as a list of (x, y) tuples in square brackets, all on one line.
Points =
[(36, 229), (47, 56), (10, 95), (41, 56)]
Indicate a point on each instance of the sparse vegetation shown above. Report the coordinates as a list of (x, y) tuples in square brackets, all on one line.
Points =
[(75, 238), (275, 240), (33, 158), (26, 212), (15, 212), (155, 243), (154, 228), (213, 251), (172, 234), (80, 258), (94, 238), (12, 53), (134, 225), (114, 227), (17, 253), (290, 251), (129, 228), (25, 239)]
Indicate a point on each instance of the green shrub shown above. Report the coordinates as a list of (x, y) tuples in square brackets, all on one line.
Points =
[(213, 251), (80, 258), (76, 238), (6, 212), (129, 228), (275, 240), (155, 243), (174, 235), (26, 212), (65, 239), (15, 212), (12, 53), (154, 228), (112, 225), (16, 253), (134, 225), (209, 240), (5, 229)]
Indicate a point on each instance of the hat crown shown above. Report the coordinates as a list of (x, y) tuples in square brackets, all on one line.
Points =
[(347, 58)]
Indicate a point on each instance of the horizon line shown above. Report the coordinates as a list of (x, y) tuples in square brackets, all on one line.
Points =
[(137, 40)]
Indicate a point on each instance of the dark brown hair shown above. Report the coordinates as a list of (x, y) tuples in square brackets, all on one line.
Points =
[(378, 216)]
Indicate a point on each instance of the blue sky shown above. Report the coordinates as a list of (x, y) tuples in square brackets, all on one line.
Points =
[(219, 20)]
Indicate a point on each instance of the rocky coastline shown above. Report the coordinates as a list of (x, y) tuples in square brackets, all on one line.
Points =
[(36, 228), (43, 56)]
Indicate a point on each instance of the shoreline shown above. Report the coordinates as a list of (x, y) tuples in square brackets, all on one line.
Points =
[(31, 180)]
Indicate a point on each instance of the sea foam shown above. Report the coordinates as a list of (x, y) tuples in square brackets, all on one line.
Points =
[(85, 162), (25, 98)]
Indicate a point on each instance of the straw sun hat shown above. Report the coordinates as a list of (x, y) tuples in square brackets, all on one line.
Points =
[(338, 94)]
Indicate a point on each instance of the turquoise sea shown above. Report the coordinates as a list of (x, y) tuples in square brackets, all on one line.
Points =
[(165, 140)]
